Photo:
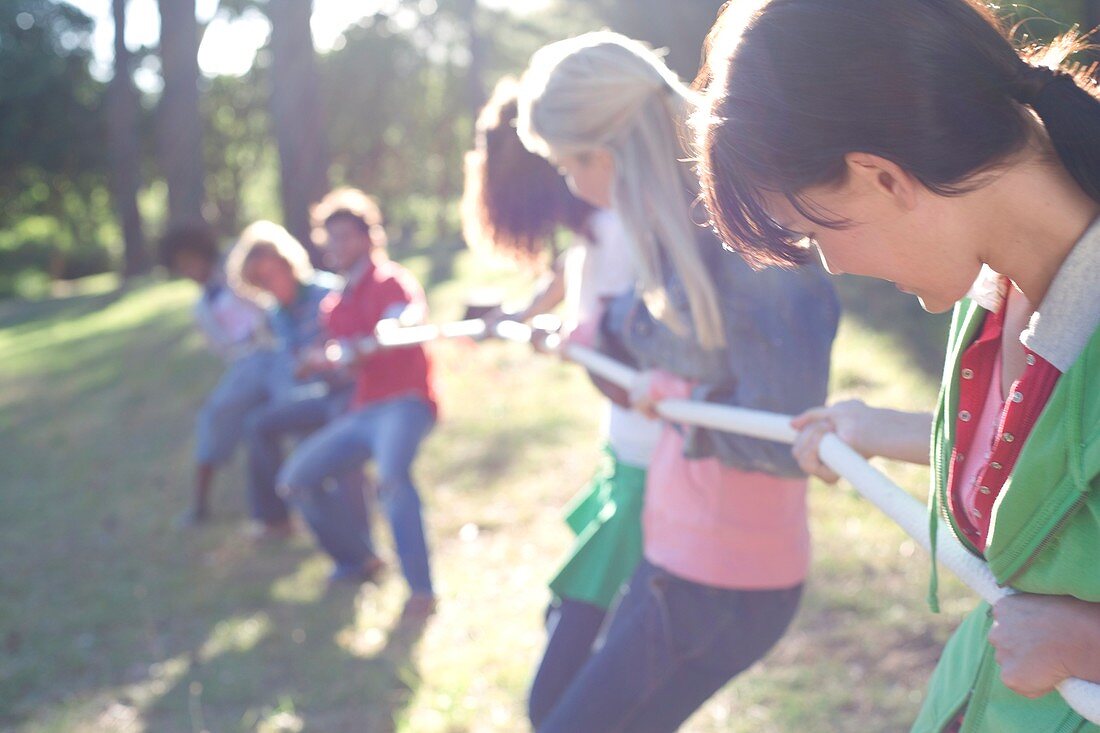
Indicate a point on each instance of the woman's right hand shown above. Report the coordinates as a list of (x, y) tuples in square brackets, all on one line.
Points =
[(870, 431)]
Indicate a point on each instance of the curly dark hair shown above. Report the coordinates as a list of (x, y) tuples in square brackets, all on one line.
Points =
[(195, 237), (350, 204), (514, 201)]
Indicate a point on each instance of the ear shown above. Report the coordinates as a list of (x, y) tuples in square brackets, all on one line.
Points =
[(884, 177)]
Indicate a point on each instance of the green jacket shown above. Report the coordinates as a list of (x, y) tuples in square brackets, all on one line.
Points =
[(1044, 538)]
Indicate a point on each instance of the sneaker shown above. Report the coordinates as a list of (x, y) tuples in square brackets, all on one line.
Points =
[(369, 572), (419, 606), (374, 569), (347, 574)]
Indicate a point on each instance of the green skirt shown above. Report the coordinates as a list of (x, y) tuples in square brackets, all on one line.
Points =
[(606, 517)]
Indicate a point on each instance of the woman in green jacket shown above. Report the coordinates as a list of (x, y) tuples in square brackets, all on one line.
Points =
[(908, 140)]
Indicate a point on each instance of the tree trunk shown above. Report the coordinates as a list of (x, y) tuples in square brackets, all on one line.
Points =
[(122, 122), (297, 115), (680, 26), (179, 118), (475, 75)]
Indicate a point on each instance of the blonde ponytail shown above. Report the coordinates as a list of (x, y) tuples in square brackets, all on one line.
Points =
[(603, 90)]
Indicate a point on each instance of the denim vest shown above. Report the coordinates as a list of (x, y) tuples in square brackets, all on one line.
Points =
[(779, 328), (298, 325)]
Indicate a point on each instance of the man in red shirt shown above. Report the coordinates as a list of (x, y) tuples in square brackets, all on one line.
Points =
[(392, 411)]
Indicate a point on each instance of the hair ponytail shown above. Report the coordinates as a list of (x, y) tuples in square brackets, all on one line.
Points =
[(1070, 112), (603, 90)]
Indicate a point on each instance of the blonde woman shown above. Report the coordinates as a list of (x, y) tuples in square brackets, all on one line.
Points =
[(726, 544), (272, 268)]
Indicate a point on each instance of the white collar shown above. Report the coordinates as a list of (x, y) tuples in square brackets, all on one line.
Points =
[(1069, 315)]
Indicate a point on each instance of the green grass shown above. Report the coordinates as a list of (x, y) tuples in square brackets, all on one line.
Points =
[(112, 621)]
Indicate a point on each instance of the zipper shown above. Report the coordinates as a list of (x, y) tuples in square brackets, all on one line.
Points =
[(941, 473), (1072, 723), (945, 511), (976, 702)]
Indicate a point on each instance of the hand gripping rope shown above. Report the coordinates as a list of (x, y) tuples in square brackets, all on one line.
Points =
[(872, 484)]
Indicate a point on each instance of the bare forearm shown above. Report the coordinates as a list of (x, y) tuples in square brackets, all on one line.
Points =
[(905, 436), (1085, 629), (550, 293)]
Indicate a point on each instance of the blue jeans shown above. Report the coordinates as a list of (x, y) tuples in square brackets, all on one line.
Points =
[(244, 386), (273, 423), (671, 645), (390, 432), (572, 627)]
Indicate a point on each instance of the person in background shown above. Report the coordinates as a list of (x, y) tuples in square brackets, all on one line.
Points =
[(725, 533), (236, 330), (514, 204), (392, 409), (271, 267)]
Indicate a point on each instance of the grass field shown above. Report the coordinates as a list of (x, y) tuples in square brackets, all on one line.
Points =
[(111, 620)]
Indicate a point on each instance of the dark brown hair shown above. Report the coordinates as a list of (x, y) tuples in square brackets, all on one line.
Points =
[(353, 205), (197, 238), (935, 86), (514, 201)]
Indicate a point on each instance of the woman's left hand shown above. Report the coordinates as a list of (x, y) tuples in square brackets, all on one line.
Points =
[(641, 395), (652, 386), (1042, 640)]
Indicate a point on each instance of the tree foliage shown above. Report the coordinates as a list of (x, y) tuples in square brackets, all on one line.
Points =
[(396, 98), (52, 144)]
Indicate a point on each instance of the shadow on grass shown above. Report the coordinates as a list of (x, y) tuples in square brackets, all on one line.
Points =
[(26, 314), (100, 603), (210, 645), (498, 453), (89, 366), (307, 672)]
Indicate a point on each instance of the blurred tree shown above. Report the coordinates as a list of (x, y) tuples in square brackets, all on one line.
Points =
[(401, 89), (297, 114), (238, 147), (51, 144), (680, 26), (179, 121), (475, 45), (123, 113)]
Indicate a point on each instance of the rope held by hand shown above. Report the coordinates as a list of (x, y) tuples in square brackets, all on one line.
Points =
[(910, 514)]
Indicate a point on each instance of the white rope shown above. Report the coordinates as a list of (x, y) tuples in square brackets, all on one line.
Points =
[(393, 338), (910, 514), (413, 335)]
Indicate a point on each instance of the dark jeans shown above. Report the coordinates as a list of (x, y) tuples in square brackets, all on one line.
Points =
[(269, 428), (572, 627), (671, 645)]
